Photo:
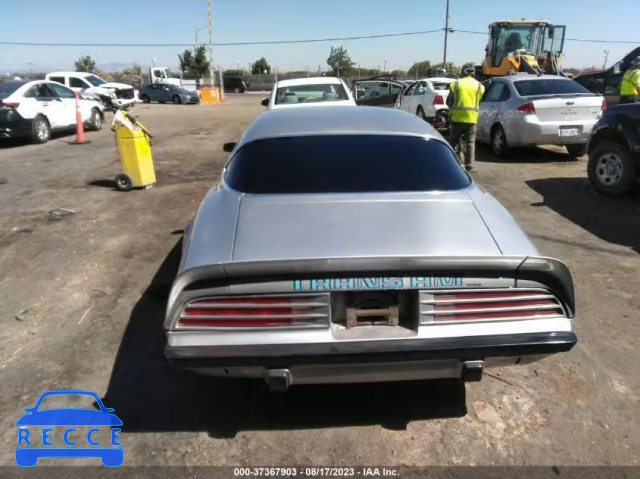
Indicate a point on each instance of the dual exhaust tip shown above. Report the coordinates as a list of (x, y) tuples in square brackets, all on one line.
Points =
[(279, 380)]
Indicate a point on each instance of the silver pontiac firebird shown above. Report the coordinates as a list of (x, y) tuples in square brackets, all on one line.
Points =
[(348, 245)]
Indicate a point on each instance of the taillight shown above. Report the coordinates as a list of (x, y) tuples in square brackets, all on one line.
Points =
[(488, 305), (527, 109), (9, 105), (604, 105), (438, 100), (298, 310)]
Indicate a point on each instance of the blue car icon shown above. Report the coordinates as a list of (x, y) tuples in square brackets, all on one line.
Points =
[(28, 455)]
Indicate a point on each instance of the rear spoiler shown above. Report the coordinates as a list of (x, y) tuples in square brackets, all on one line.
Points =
[(551, 273)]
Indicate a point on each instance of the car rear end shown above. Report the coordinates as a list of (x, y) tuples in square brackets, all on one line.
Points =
[(307, 267), (551, 110), (12, 123)]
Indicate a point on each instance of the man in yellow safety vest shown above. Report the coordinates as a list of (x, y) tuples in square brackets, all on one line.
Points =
[(464, 102), (630, 85)]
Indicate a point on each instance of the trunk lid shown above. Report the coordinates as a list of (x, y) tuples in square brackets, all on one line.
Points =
[(567, 108), (282, 227)]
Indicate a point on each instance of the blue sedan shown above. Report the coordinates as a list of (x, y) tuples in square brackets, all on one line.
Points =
[(167, 93)]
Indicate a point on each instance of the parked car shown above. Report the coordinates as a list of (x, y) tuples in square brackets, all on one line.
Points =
[(112, 94), (167, 93), (378, 91), (235, 84), (302, 92), (427, 98), (35, 109), (348, 245), (523, 109), (607, 82), (614, 150)]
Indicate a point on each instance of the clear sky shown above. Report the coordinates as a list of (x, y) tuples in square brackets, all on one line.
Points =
[(175, 21)]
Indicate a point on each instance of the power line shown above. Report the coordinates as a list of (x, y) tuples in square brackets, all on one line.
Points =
[(281, 42), (273, 42)]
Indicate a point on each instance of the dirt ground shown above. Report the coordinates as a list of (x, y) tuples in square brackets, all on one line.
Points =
[(83, 300)]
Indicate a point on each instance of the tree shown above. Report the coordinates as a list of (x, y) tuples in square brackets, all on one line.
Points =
[(186, 61), (194, 63), (445, 69), (419, 68), (85, 64), (130, 76), (340, 62), (260, 66), (399, 73)]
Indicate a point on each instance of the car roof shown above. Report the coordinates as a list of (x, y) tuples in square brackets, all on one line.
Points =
[(309, 81), (78, 74), (440, 79), (337, 120), (529, 76)]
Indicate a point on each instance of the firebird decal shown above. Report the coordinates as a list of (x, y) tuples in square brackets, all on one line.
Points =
[(346, 284)]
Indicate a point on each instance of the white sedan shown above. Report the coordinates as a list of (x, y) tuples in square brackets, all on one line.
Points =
[(303, 92), (34, 109), (427, 98)]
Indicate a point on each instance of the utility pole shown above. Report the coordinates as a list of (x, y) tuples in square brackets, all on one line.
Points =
[(385, 66), (446, 34), (211, 79), (606, 57)]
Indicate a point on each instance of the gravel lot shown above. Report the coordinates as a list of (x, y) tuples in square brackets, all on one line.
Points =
[(83, 299)]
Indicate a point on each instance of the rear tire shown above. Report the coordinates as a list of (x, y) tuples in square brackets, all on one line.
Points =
[(145, 99), (499, 142), (611, 169), (236, 90), (576, 151), (176, 99), (40, 130)]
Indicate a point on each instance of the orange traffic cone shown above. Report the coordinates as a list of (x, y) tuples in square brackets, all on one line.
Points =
[(80, 139)]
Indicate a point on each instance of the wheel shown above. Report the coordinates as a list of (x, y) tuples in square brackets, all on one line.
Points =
[(124, 182), (145, 98), (499, 142), (611, 170), (176, 99), (40, 130), (96, 120), (576, 151), (420, 113), (236, 90)]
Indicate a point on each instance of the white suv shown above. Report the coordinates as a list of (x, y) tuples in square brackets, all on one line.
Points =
[(113, 95)]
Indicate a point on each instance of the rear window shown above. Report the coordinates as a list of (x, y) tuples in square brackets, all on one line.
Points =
[(345, 164), (7, 88), (311, 93), (549, 87)]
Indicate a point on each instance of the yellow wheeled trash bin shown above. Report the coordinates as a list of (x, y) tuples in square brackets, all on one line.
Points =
[(134, 147)]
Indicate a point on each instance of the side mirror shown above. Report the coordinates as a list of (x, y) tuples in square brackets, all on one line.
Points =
[(228, 147), (265, 102)]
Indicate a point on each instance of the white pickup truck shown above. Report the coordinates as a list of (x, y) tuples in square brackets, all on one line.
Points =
[(113, 95)]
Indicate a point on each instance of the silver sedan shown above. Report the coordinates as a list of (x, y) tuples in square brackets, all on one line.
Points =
[(347, 245), (523, 109)]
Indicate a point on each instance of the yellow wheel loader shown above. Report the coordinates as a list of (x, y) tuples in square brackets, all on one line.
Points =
[(531, 46)]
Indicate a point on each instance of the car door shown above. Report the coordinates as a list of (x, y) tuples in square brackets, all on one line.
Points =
[(48, 104), (383, 93), (489, 106), (406, 101), (78, 84), (420, 99), (68, 99)]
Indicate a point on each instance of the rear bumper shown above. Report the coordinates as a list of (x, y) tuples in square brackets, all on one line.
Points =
[(18, 128), (370, 361), (531, 131)]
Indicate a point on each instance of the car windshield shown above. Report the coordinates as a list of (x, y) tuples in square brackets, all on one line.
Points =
[(7, 88), (95, 80), (549, 86), (67, 401), (345, 164), (311, 93)]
